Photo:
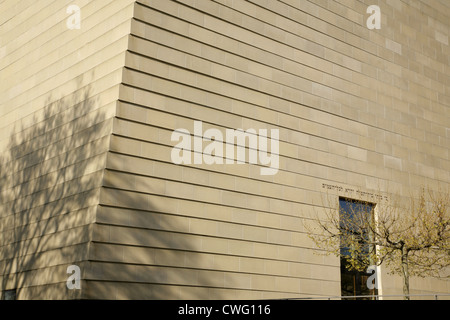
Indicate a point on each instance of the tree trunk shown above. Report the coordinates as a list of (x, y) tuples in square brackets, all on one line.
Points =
[(405, 273)]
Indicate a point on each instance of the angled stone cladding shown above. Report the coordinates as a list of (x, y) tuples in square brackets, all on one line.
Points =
[(358, 111), (58, 92), (363, 110)]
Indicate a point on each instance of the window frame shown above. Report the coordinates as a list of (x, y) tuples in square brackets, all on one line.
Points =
[(354, 282)]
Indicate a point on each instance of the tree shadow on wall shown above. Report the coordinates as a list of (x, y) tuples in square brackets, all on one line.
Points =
[(143, 245), (49, 177)]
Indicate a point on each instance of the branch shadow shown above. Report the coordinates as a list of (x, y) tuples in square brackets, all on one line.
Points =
[(143, 247), (49, 178), (55, 175)]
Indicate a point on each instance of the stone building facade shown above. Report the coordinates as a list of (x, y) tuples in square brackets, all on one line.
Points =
[(97, 96)]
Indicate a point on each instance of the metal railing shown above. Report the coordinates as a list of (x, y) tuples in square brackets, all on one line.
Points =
[(377, 297)]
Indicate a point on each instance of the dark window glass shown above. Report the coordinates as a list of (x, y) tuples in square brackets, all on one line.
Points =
[(9, 294), (353, 282)]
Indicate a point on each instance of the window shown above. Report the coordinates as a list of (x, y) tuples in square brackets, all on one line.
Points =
[(9, 294), (354, 218)]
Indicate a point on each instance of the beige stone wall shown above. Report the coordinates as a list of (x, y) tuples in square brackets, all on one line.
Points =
[(58, 93), (358, 111), (365, 110)]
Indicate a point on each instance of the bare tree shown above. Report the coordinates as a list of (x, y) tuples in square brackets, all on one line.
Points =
[(410, 237)]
